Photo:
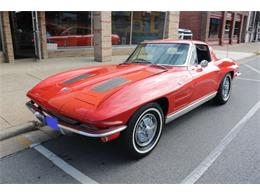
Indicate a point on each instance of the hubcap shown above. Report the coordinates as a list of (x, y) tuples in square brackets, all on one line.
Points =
[(145, 130), (226, 88)]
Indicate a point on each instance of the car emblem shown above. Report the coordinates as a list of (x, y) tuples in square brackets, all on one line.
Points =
[(65, 89)]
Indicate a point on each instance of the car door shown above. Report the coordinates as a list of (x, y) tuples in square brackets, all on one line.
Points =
[(204, 78)]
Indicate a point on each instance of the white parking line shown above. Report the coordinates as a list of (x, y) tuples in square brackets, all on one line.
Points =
[(252, 68), (246, 79), (76, 174), (209, 160)]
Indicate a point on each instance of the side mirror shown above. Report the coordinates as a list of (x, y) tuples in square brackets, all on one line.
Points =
[(204, 63)]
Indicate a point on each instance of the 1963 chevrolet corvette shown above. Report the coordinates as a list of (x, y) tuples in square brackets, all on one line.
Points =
[(160, 81)]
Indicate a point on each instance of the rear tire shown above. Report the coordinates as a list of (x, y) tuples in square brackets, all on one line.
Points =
[(224, 90), (144, 130)]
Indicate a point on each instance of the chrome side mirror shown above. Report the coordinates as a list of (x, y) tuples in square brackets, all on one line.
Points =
[(204, 63)]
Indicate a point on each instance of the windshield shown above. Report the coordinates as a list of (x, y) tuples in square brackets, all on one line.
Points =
[(160, 53)]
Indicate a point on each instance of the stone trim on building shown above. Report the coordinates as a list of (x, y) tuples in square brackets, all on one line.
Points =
[(42, 34), (172, 24), (7, 37), (2, 57), (102, 36)]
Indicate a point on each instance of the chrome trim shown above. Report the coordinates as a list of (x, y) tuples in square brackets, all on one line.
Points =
[(109, 131), (97, 133), (195, 104), (187, 63)]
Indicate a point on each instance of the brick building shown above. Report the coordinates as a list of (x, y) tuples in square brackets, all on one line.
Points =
[(44, 35), (216, 28)]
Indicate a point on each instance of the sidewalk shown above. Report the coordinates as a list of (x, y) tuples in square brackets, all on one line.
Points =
[(242, 47), (17, 78)]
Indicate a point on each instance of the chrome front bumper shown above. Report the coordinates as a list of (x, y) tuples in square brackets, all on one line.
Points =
[(40, 115)]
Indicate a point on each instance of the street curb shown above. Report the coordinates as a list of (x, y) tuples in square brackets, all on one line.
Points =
[(17, 130)]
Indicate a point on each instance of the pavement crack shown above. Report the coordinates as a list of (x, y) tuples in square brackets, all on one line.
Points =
[(6, 120)]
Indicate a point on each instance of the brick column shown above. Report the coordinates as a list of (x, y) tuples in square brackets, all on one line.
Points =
[(241, 28), (172, 25), (102, 36), (7, 38), (204, 27), (233, 27), (42, 34), (223, 28)]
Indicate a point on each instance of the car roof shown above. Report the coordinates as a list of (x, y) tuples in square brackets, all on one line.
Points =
[(175, 41)]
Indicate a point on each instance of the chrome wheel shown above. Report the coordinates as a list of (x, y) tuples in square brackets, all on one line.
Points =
[(146, 129), (226, 88)]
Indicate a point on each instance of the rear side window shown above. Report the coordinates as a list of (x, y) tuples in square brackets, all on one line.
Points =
[(203, 52)]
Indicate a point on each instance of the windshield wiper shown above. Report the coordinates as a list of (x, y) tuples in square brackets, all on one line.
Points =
[(160, 66), (141, 60)]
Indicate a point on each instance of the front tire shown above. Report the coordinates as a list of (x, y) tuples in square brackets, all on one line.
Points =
[(224, 90), (144, 130)]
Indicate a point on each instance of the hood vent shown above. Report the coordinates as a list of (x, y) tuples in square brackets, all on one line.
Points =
[(77, 78), (110, 84)]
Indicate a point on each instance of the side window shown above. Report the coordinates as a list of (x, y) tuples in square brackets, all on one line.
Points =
[(203, 52), (194, 57)]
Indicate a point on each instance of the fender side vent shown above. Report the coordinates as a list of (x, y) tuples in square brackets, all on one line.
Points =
[(112, 83), (77, 78)]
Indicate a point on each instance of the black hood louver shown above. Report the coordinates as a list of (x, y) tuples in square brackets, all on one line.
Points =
[(77, 78), (110, 84)]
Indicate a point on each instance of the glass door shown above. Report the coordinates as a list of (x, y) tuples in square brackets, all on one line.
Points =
[(25, 34)]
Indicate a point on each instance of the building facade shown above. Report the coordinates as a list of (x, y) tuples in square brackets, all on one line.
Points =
[(253, 27), (216, 28), (62, 34)]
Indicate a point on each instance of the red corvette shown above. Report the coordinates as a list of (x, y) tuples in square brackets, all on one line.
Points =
[(160, 81), (77, 36)]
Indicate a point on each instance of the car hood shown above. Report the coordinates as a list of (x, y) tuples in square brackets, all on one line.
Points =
[(88, 86)]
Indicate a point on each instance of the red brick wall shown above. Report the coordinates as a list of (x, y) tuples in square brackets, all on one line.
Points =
[(191, 20)]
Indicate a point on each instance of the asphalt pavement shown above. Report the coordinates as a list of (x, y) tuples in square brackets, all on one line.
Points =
[(229, 132)]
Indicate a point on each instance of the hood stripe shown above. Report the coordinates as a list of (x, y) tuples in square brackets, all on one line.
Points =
[(112, 83), (77, 78)]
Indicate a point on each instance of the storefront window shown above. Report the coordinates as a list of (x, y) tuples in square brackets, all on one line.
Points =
[(227, 33), (147, 26), (69, 29), (121, 28), (214, 28)]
